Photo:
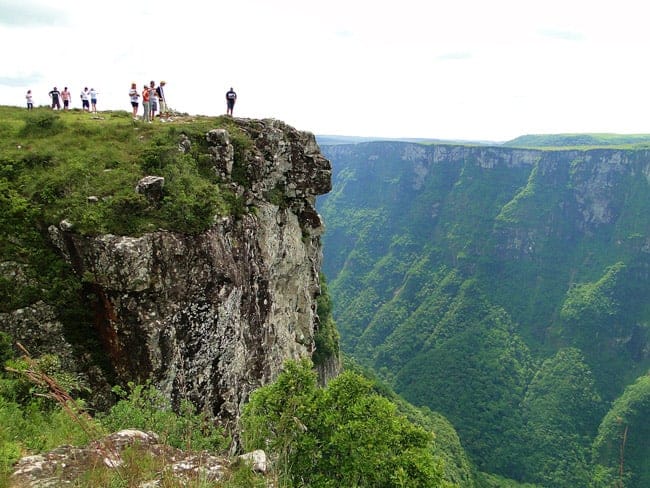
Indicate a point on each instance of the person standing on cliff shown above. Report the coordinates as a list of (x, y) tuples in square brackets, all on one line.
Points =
[(160, 91), (153, 100), (93, 100), (66, 96), (135, 97), (145, 105), (231, 97), (54, 95), (85, 105)]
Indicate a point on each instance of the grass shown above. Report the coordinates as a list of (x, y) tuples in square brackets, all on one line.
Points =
[(55, 161), (37, 414), (582, 141)]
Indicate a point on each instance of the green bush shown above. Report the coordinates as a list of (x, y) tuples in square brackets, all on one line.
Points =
[(342, 435), (326, 337), (42, 123), (145, 408)]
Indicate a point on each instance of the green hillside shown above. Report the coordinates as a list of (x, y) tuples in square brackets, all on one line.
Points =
[(580, 140), (508, 289)]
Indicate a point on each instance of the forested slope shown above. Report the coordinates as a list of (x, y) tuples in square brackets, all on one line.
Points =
[(506, 288)]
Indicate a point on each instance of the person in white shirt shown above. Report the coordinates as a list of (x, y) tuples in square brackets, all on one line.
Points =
[(84, 100), (93, 99), (134, 96)]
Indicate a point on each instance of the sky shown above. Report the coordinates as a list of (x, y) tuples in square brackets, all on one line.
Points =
[(488, 70)]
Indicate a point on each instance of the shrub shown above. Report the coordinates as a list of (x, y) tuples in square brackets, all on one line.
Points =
[(145, 408), (342, 435), (41, 123)]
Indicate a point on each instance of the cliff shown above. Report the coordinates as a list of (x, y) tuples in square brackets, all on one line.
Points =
[(208, 315), (458, 271)]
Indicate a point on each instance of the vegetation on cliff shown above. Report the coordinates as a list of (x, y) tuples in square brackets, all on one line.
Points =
[(342, 435), (348, 433), (52, 162), (580, 140), (505, 288), (57, 166), (38, 415)]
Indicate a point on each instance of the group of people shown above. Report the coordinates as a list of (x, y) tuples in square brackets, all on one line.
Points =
[(57, 98), (153, 100)]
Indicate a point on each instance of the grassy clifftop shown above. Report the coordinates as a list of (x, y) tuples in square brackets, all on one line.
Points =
[(565, 141), (84, 168)]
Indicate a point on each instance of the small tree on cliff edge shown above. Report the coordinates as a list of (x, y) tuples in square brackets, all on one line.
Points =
[(342, 435)]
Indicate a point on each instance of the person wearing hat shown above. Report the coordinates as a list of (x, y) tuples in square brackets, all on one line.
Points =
[(161, 99)]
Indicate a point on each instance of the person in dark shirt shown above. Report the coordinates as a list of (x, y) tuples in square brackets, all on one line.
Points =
[(162, 102), (231, 97), (55, 94)]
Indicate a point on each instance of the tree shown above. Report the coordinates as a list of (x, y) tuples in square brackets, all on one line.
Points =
[(621, 449), (342, 435), (474, 373), (559, 409)]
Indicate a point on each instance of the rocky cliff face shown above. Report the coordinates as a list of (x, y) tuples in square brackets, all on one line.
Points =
[(588, 190), (527, 224), (211, 317), (457, 271)]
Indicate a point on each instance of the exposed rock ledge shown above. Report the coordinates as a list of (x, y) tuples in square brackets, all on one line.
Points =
[(211, 317), (65, 464)]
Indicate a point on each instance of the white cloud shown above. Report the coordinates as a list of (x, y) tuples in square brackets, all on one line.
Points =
[(461, 69), (27, 13)]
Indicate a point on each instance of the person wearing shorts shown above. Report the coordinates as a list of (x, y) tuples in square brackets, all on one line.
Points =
[(55, 94), (66, 97), (93, 99), (134, 96), (85, 105)]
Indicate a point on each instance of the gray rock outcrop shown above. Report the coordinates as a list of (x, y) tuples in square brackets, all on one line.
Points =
[(66, 464), (213, 316)]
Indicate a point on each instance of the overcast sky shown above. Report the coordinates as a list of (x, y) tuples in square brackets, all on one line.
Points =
[(457, 69)]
